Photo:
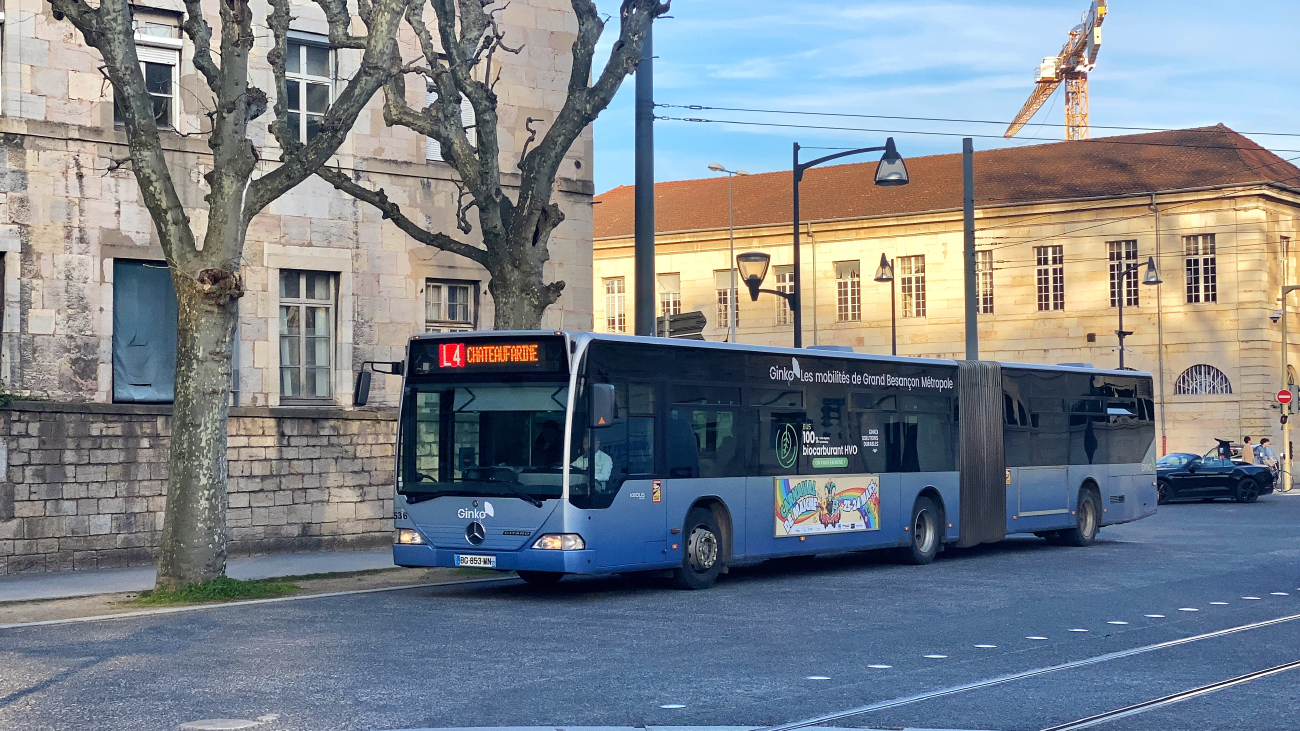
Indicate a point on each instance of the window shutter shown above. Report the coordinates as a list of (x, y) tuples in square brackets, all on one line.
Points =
[(467, 120), (432, 150)]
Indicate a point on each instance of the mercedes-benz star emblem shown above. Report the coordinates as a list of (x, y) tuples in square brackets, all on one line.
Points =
[(475, 533)]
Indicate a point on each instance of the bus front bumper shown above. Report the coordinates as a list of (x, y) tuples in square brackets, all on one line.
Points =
[(528, 559)]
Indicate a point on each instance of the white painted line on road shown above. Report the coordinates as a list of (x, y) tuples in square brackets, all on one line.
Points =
[(1188, 609), (880, 667), (673, 705), (1078, 630), (1035, 638), (817, 677), (1280, 593), (1219, 604), (937, 657), (1251, 598), (1002, 679), (986, 647), (276, 600), (1154, 616), (1116, 621)]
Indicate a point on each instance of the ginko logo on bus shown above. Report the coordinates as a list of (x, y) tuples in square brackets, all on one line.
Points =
[(473, 514)]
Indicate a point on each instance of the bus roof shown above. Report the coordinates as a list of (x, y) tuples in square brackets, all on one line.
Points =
[(579, 337)]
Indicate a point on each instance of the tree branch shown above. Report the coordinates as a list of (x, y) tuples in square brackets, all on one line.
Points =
[(200, 34), (393, 212)]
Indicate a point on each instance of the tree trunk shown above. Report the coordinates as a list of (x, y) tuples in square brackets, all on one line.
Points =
[(194, 534), (520, 295)]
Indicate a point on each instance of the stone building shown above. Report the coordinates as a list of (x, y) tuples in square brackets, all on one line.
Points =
[(88, 312), (1056, 225)]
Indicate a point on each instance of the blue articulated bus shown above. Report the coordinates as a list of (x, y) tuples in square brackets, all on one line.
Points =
[(578, 453)]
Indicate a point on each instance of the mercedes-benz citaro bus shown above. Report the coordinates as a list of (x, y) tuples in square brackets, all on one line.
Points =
[(578, 453)]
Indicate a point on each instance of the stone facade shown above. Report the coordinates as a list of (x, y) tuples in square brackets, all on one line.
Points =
[(85, 480), (85, 484), (1253, 225)]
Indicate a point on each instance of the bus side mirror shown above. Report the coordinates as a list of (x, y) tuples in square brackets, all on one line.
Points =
[(361, 394), (602, 405)]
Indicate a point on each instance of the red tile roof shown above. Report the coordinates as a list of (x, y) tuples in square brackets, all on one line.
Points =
[(1108, 166)]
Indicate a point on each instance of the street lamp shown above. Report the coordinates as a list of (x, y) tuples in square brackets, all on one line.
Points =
[(753, 270), (718, 167), (891, 171), (1151, 279), (885, 273)]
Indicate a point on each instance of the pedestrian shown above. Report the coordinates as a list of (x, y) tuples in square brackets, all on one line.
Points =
[(1247, 450), (1264, 455)]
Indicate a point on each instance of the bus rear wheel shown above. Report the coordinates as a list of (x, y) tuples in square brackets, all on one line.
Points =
[(925, 533), (701, 551), (540, 578), (1087, 521)]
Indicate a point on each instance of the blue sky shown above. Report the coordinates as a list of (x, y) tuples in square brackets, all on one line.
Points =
[(1163, 63)]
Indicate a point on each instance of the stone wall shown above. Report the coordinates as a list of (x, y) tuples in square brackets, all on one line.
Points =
[(85, 484)]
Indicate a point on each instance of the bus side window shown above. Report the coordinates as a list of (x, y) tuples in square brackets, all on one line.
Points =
[(683, 449)]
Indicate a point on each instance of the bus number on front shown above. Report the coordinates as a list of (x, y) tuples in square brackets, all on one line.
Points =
[(451, 355)]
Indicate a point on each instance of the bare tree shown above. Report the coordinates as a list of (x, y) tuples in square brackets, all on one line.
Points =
[(207, 275), (464, 62)]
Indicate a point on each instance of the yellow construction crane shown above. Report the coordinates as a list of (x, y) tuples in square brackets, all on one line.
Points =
[(1071, 66)]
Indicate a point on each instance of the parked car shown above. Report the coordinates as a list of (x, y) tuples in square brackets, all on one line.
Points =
[(1187, 476)]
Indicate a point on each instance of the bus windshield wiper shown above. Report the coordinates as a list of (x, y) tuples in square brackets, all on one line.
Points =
[(511, 486)]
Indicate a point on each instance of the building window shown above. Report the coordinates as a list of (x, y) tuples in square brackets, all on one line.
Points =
[(615, 305), (1050, 277), (722, 279), (912, 285), (1202, 380), (432, 148), (848, 291), (1122, 254), (309, 84), (984, 280), (306, 334), (1202, 268), (449, 306), (670, 294), (144, 332), (158, 44), (785, 284)]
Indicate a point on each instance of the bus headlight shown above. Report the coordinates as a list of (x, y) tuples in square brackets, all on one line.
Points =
[(408, 537), (560, 542)]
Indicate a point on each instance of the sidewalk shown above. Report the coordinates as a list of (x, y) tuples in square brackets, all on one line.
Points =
[(26, 587)]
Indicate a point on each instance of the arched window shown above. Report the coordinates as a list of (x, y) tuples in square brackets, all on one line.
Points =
[(1200, 380)]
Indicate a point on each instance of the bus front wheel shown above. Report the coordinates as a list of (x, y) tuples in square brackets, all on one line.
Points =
[(925, 533), (701, 551), (541, 578), (1087, 521)]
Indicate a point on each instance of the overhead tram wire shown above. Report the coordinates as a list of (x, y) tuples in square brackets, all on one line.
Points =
[(830, 128), (699, 107)]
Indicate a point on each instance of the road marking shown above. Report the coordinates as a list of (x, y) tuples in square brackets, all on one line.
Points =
[(673, 705), (817, 677), (1252, 598), (1219, 604), (937, 657), (1116, 621), (1078, 630), (1145, 706), (987, 647), (1188, 609), (1280, 593), (1035, 638), (1002, 679), (276, 600), (880, 667), (1154, 616)]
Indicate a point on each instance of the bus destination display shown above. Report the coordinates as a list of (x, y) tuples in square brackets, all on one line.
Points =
[(458, 356)]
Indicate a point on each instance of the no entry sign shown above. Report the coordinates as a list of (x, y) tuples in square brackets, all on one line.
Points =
[(1284, 397)]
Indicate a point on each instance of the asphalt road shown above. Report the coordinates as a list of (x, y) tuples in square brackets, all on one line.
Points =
[(612, 652)]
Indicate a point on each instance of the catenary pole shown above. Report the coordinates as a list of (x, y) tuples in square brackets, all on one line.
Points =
[(968, 223), (644, 226), (797, 285)]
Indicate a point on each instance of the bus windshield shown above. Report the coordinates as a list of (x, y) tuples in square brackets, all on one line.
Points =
[(497, 439)]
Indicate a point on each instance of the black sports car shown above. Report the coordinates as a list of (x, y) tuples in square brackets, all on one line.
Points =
[(1187, 476)]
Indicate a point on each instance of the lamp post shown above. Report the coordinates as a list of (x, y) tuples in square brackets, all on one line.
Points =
[(753, 270), (890, 172), (885, 273), (718, 167), (1151, 279)]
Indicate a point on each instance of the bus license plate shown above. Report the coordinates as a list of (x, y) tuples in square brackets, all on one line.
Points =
[(482, 562)]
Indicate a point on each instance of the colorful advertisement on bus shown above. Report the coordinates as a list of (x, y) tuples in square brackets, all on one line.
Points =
[(827, 504)]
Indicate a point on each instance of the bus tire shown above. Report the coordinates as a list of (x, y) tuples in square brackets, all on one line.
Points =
[(540, 578), (1087, 521), (702, 551), (925, 533)]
